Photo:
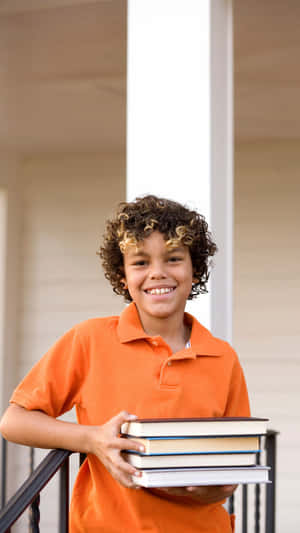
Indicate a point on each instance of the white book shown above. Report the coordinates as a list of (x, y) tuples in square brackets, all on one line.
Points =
[(185, 477), (168, 427)]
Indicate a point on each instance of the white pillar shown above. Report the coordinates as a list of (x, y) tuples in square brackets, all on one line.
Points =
[(179, 116)]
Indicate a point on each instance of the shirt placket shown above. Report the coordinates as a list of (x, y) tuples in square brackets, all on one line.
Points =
[(170, 374)]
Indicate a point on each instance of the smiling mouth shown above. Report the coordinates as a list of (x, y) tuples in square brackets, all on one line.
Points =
[(163, 290)]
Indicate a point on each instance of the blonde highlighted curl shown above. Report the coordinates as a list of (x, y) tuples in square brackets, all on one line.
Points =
[(135, 221)]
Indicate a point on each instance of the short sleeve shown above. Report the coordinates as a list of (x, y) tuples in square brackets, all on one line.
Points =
[(238, 399), (54, 384)]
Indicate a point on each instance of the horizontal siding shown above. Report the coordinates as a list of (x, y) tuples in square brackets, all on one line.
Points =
[(266, 301), (66, 200)]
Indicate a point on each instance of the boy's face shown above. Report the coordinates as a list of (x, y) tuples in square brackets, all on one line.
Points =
[(159, 279)]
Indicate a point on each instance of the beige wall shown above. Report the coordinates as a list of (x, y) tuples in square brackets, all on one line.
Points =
[(266, 300), (64, 202)]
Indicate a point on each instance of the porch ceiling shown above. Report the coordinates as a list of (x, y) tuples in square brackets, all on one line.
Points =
[(63, 73)]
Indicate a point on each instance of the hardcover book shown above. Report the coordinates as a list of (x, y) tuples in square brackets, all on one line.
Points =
[(186, 445), (167, 427), (182, 477), (190, 460)]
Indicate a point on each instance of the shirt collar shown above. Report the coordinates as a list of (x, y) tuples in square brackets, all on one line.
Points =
[(202, 341), (130, 327)]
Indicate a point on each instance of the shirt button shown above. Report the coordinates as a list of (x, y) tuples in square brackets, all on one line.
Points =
[(155, 343), (169, 363)]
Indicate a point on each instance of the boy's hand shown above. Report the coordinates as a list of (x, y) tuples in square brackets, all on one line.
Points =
[(107, 445), (203, 495)]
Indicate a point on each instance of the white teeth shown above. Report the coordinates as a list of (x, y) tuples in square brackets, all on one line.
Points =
[(160, 291)]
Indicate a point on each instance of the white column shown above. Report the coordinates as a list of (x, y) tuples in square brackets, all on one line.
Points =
[(221, 177), (176, 55)]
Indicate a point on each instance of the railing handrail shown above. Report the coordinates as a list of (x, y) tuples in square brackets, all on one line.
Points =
[(31, 487)]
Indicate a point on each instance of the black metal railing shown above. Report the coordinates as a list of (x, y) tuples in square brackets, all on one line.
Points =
[(3, 471), (271, 453), (270, 449), (28, 494)]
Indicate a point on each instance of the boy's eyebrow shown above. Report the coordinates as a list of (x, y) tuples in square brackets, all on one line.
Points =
[(177, 249), (139, 252)]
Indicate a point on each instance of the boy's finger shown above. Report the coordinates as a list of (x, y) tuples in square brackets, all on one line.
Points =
[(127, 481), (128, 444), (126, 468), (122, 477), (228, 489), (122, 417), (125, 474)]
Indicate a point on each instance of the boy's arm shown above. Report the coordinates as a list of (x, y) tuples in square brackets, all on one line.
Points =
[(36, 428)]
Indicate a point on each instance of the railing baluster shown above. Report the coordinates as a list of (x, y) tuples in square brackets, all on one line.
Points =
[(34, 516), (31, 460), (34, 509), (3, 470), (64, 497), (257, 508), (231, 504), (245, 509), (271, 487), (257, 501)]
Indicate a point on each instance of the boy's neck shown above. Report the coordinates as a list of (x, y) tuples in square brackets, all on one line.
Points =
[(174, 331)]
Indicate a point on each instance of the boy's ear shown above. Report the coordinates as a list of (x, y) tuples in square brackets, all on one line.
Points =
[(195, 280), (124, 283)]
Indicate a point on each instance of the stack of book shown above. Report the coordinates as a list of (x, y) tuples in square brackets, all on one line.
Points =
[(197, 451)]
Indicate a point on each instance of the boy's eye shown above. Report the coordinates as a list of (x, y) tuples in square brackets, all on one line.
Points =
[(174, 259), (141, 262)]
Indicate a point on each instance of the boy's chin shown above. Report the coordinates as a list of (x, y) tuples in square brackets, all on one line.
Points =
[(161, 313)]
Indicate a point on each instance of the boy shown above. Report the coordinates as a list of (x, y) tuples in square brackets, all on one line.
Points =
[(154, 361)]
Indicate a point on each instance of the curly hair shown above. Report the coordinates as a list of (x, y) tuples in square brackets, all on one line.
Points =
[(135, 221)]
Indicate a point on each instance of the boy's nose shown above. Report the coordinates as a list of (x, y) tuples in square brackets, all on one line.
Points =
[(157, 272)]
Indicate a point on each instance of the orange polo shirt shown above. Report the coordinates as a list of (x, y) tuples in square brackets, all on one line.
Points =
[(105, 365)]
